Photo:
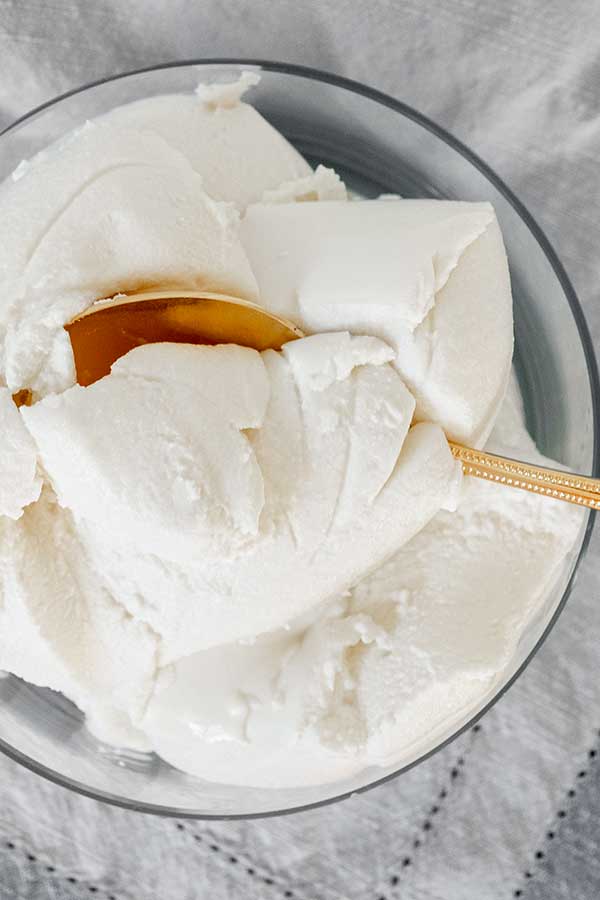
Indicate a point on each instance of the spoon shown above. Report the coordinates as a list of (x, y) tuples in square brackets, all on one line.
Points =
[(110, 328)]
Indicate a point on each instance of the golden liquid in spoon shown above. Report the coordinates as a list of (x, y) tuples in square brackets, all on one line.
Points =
[(111, 328)]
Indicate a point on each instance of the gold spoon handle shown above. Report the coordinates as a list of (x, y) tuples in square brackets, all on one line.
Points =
[(577, 489)]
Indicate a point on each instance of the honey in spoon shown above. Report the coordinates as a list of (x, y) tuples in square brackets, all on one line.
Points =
[(111, 328)]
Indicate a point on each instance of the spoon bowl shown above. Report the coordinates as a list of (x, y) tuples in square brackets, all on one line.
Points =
[(109, 329)]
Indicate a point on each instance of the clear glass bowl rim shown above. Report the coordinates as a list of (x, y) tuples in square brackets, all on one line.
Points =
[(586, 342)]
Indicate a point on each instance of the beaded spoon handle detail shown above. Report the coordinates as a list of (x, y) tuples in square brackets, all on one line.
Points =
[(577, 489)]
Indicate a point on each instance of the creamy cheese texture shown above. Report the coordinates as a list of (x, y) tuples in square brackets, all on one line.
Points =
[(391, 269), (266, 567)]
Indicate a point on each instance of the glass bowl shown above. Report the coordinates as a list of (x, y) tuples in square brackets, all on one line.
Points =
[(378, 145)]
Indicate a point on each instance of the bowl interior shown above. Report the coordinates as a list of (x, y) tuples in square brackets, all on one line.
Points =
[(378, 147)]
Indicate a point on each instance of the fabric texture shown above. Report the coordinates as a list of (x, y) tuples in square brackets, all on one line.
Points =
[(512, 808)]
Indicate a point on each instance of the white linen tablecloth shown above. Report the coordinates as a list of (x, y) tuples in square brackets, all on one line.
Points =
[(513, 806)]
